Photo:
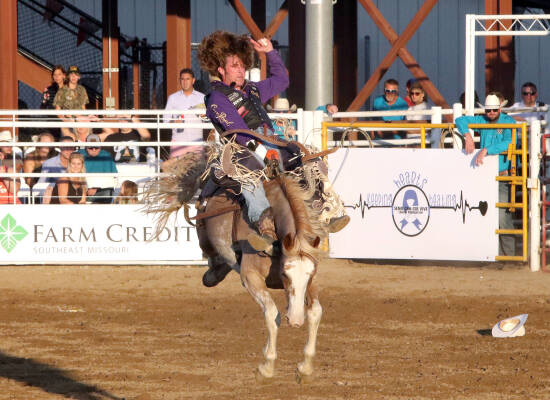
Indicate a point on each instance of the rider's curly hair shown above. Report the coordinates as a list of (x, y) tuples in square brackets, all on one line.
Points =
[(215, 47)]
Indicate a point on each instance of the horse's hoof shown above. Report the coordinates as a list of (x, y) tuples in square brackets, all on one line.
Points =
[(262, 375), (303, 379)]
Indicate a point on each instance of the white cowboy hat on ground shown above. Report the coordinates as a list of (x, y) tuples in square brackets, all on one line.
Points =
[(492, 101), (282, 105), (510, 327)]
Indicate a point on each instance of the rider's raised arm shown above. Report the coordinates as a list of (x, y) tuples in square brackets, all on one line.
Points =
[(278, 79)]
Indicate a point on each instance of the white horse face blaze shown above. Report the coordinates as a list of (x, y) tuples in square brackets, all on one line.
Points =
[(297, 274)]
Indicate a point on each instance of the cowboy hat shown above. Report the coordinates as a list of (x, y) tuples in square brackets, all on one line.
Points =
[(5, 136), (510, 327), (281, 105), (492, 101)]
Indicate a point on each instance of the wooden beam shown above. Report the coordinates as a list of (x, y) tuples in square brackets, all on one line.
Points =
[(8, 49), (500, 54), (277, 20), (377, 75), (32, 74), (178, 41), (404, 54), (110, 35)]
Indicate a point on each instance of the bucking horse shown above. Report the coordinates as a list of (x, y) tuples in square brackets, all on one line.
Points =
[(302, 209)]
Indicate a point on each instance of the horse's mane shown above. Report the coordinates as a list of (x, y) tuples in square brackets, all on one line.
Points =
[(307, 220)]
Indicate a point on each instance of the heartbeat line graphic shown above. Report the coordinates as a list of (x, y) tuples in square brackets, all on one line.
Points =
[(462, 205), (363, 205)]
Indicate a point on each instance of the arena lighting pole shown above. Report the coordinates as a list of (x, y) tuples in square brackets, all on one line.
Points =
[(319, 52)]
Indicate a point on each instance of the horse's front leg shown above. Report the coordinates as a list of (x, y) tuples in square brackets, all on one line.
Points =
[(314, 313), (253, 280)]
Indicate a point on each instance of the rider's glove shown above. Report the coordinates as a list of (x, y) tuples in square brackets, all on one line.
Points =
[(261, 151)]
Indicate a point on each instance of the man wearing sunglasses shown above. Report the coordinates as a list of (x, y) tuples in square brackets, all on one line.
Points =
[(96, 160), (391, 101), (529, 96), (493, 141)]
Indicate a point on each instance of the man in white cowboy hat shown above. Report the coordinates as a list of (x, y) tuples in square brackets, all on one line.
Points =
[(493, 142)]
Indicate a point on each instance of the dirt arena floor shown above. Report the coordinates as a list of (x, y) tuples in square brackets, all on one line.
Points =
[(388, 332)]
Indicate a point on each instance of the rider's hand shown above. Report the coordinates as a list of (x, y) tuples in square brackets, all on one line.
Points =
[(263, 45), (261, 151)]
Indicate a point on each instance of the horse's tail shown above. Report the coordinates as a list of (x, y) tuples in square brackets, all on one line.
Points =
[(166, 194)]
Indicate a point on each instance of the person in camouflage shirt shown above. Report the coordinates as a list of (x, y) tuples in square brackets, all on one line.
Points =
[(72, 96)]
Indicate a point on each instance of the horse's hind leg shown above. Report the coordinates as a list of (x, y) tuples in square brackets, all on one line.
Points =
[(254, 282), (314, 313)]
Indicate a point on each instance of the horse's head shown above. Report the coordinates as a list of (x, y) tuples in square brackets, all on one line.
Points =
[(298, 268)]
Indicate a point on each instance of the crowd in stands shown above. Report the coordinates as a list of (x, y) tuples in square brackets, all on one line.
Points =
[(64, 93)]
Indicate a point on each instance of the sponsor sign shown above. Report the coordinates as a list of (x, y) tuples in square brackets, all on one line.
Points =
[(415, 204), (91, 233)]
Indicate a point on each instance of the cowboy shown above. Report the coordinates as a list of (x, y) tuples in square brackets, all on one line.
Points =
[(493, 142), (235, 103)]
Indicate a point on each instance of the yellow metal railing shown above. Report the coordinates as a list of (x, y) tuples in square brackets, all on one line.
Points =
[(512, 151)]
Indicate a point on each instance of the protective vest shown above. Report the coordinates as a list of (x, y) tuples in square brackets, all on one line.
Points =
[(250, 109)]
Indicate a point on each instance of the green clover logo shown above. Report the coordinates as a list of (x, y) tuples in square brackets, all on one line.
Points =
[(10, 233)]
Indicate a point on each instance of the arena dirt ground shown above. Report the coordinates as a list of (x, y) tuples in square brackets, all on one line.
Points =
[(388, 332)]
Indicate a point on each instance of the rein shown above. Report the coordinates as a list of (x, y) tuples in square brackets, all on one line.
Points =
[(270, 139), (215, 213)]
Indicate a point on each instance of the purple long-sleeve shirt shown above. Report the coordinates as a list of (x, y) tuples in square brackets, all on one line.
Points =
[(220, 110)]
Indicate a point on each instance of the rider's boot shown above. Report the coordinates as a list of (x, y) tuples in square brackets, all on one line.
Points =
[(267, 235), (215, 274)]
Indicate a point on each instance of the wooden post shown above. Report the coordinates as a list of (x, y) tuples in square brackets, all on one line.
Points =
[(8, 49), (178, 41), (111, 59)]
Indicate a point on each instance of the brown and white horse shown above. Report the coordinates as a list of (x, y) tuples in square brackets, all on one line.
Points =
[(223, 238)]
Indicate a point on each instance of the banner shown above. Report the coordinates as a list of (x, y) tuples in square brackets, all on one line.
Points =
[(52, 234), (431, 204)]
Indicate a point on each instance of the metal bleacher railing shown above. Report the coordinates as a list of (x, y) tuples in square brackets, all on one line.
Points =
[(139, 172)]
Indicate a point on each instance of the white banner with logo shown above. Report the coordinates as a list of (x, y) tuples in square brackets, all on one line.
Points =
[(428, 204), (53, 234)]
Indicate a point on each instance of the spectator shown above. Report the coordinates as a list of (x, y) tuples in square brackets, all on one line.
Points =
[(529, 97), (284, 128), (35, 159), (71, 190), (49, 93), (9, 186), (328, 109), (418, 96), (185, 99), (128, 193), (7, 152), (127, 153), (391, 101), (408, 85), (96, 160), (462, 99), (58, 163), (71, 96), (493, 142)]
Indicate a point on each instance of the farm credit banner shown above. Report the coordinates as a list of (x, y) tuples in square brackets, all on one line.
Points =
[(430, 204), (91, 233)]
